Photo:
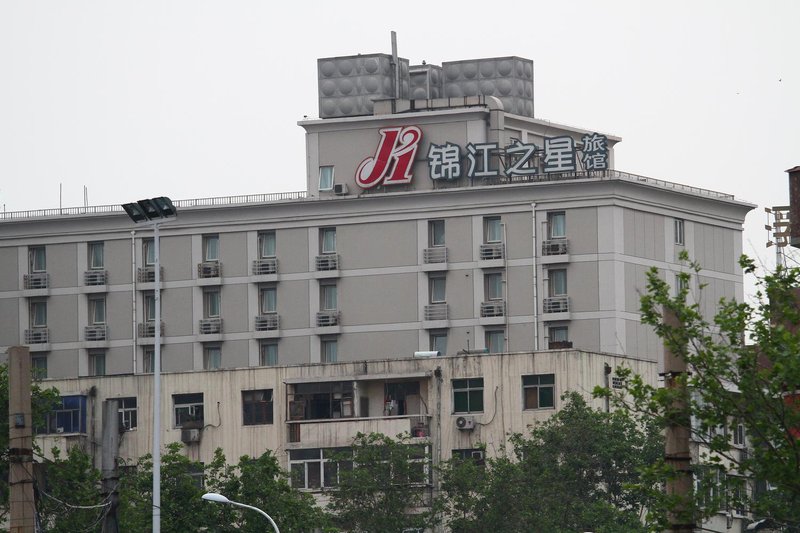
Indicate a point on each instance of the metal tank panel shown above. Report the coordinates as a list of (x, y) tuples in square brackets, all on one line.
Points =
[(508, 78), (426, 81)]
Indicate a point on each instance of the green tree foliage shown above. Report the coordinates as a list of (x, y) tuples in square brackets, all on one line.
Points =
[(729, 385), (384, 486), (573, 472)]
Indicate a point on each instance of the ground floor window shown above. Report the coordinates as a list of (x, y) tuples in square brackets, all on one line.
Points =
[(317, 468)]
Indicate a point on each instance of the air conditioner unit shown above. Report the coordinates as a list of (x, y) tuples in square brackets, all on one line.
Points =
[(190, 435), (465, 423), (340, 189), (59, 430), (477, 455)]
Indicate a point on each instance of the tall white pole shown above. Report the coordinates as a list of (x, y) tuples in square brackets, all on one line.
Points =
[(157, 391)]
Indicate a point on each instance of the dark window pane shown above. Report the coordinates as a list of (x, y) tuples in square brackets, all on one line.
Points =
[(461, 402), (546, 397), (475, 401), (314, 474)]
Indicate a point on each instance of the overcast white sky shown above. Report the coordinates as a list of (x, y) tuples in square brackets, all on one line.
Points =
[(197, 98)]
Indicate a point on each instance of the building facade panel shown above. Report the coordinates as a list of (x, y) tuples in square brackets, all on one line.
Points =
[(62, 263), (377, 244), (378, 299), (177, 304), (178, 259), (11, 280)]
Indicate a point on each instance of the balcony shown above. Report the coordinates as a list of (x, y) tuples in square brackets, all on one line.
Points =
[(147, 274), (209, 269), (267, 265), (327, 262), (556, 304), (493, 308), (148, 329), (95, 333), (37, 336), (320, 433), (267, 322), (559, 345), (434, 255), (95, 277), (37, 280), (210, 326), (438, 311), (492, 250), (555, 247), (327, 318)]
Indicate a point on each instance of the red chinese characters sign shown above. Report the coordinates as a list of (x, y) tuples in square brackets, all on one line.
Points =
[(391, 164)]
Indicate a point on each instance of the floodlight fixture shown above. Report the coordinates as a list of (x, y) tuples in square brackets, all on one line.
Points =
[(150, 209)]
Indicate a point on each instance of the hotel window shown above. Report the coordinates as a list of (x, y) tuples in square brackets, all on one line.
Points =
[(211, 305), (187, 407), (468, 395), (329, 350), (268, 300), (327, 240), (96, 256), (558, 334), (557, 285), (266, 244), (212, 357), (556, 225), (328, 297), (149, 252), (492, 229), (37, 260), (439, 342), (39, 366), (539, 391), (128, 413), (97, 363), (210, 248), (325, 178), (149, 307), (437, 289), (494, 285), (268, 353), (97, 311), (681, 283), (38, 310), (496, 340), (679, 231), (257, 407), (148, 360), (436, 233)]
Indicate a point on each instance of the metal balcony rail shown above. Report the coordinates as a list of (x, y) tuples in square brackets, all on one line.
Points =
[(436, 311), (95, 277), (267, 322), (95, 333), (148, 329), (555, 247), (493, 308), (37, 336), (556, 304), (493, 250), (327, 318), (267, 265), (559, 345), (147, 274), (209, 269), (37, 280), (210, 326), (437, 254), (328, 262)]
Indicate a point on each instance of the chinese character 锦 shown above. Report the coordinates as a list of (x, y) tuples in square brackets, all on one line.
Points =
[(444, 161)]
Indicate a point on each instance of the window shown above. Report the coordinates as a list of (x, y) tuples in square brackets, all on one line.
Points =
[(149, 307), (678, 231), (494, 285), (325, 178), (436, 233), (149, 252), (468, 395), (266, 244), (738, 434), (538, 391), (268, 354), (328, 297), (492, 229), (327, 240), (210, 247), (97, 363), (39, 366), (437, 289), (558, 282), (212, 357), (96, 256), (558, 333), (439, 342), (318, 468), (322, 401), (37, 260), (257, 407), (148, 360), (211, 303), (268, 300), (496, 340), (681, 283), (97, 311), (556, 225), (38, 309), (329, 350), (471, 454), (188, 407), (67, 416), (128, 414)]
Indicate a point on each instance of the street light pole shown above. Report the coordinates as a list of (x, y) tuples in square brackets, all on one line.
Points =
[(219, 498)]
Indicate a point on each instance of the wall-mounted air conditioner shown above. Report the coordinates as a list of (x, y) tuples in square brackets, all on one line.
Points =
[(465, 423), (190, 435), (340, 189)]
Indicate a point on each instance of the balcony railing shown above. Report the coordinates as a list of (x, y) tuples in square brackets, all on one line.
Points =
[(559, 345), (556, 304), (437, 254), (37, 280), (95, 277), (37, 336), (268, 322), (147, 274), (492, 250), (493, 308), (328, 262), (148, 329), (555, 247), (209, 269), (327, 318), (95, 333), (210, 326), (436, 311), (267, 265)]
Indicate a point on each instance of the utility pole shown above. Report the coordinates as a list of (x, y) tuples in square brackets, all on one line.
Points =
[(20, 453), (110, 449)]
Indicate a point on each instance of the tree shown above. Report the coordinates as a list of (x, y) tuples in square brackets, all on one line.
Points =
[(730, 386), (573, 472), (384, 485)]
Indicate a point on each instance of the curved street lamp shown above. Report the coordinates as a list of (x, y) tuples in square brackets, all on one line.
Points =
[(219, 498)]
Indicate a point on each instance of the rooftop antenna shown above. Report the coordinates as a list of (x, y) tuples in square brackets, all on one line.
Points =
[(395, 67)]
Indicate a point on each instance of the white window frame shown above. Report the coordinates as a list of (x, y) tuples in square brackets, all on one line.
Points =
[(267, 244), (38, 314), (97, 363), (329, 350), (326, 177), (438, 289), (190, 405), (149, 252), (37, 259), (491, 334), (538, 386), (149, 307), (212, 357), (436, 337), (680, 231), (128, 413), (492, 229), (251, 397), (265, 358), (557, 225), (436, 233), (556, 287), (467, 390), (211, 251), (558, 334), (268, 299), (328, 297), (327, 240), (212, 303), (97, 310), (96, 261), (494, 286)]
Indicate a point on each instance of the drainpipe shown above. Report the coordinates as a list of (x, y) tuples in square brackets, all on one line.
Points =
[(535, 280), (133, 297), (505, 287), (496, 119)]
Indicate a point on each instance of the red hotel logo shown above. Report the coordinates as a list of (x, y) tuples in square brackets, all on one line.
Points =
[(391, 164)]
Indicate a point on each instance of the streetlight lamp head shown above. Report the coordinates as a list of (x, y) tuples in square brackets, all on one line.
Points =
[(150, 209), (214, 497), (134, 211)]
